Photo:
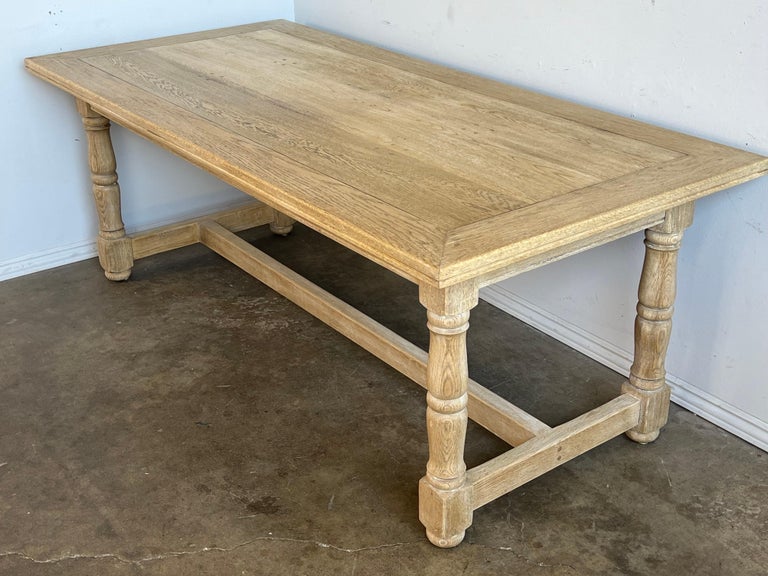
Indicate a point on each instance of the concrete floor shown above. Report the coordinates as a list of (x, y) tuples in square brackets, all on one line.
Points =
[(191, 421)]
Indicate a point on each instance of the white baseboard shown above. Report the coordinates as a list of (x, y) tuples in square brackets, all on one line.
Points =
[(685, 394), (45, 259)]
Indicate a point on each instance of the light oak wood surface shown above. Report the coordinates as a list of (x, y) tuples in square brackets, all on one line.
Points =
[(447, 179), (440, 176)]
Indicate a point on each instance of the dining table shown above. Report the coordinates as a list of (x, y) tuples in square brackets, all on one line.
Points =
[(450, 180)]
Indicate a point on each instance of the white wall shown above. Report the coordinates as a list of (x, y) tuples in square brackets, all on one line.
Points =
[(46, 215), (699, 66)]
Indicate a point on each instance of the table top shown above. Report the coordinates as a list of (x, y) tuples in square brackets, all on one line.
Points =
[(439, 175)]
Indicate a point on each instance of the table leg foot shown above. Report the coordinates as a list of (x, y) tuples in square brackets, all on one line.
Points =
[(446, 514), (653, 324), (643, 438), (281, 224), (116, 258), (654, 411)]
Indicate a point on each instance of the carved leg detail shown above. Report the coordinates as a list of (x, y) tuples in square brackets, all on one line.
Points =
[(115, 250), (653, 325), (444, 500), (281, 224)]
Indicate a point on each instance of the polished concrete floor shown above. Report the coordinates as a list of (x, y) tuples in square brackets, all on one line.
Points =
[(191, 421)]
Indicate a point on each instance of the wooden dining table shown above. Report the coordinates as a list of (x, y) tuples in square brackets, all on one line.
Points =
[(447, 179)]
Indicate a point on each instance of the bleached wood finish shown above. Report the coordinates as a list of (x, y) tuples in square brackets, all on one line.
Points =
[(444, 502), (185, 233), (653, 325), (447, 179), (514, 468), (440, 176), (114, 246)]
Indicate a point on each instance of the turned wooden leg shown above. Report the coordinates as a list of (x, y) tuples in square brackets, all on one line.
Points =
[(281, 224), (115, 251), (653, 325), (445, 506)]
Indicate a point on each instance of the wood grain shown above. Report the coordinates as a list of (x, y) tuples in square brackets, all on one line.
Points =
[(114, 246), (438, 175), (185, 233), (514, 468), (653, 324)]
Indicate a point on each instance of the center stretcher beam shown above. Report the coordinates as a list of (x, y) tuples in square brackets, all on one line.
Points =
[(497, 415)]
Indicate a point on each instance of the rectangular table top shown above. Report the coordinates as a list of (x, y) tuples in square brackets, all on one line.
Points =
[(439, 175)]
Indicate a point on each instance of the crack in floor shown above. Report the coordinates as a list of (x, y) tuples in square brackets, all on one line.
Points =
[(24, 556), (525, 558), (317, 543), (203, 550)]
